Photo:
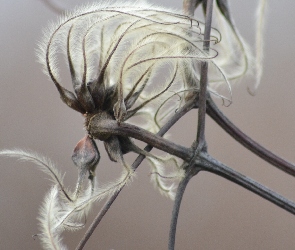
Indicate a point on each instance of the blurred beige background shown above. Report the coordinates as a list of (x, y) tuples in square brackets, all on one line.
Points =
[(215, 213)]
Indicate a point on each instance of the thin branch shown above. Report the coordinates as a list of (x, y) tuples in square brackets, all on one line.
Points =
[(97, 219), (178, 198), (181, 112), (208, 21), (189, 7), (212, 165), (110, 127), (214, 112), (201, 142)]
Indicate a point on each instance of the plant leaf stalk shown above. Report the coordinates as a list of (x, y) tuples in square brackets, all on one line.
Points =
[(201, 144)]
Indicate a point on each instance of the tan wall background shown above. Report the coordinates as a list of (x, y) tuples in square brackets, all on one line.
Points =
[(215, 213)]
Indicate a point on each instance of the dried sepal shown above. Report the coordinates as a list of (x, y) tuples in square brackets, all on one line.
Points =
[(113, 148)]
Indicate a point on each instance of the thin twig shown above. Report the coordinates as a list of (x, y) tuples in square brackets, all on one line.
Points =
[(214, 112), (178, 198), (201, 142), (212, 165), (111, 127), (181, 112), (97, 219)]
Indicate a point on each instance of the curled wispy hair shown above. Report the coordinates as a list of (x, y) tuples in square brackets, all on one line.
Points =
[(44, 163), (62, 209), (115, 53), (49, 212)]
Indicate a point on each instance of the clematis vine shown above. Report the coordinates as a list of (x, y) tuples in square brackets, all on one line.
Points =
[(131, 63), (114, 54)]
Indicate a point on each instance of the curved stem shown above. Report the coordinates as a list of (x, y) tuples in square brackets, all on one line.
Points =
[(181, 112), (212, 165), (97, 219), (111, 127), (178, 198), (214, 112)]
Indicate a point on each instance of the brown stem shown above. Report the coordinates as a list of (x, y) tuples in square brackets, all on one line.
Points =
[(201, 142), (212, 165), (214, 112), (97, 219), (111, 127), (192, 171), (181, 112)]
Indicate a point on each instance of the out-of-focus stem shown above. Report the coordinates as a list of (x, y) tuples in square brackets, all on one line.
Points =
[(189, 6)]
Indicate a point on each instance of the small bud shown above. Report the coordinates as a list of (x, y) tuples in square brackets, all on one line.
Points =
[(86, 155)]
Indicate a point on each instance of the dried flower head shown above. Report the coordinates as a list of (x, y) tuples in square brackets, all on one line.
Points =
[(114, 53), (116, 56)]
